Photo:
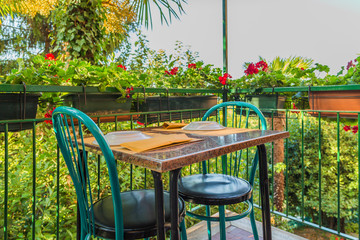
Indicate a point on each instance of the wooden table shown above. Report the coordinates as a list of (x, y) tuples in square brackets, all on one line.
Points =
[(173, 158)]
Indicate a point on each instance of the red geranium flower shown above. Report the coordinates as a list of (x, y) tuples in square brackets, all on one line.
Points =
[(174, 71), (347, 128), (263, 65), (192, 65), (294, 107), (48, 114), (251, 69), (49, 56), (355, 129), (128, 90), (224, 78), (349, 65), (122, 66), (140, 123)]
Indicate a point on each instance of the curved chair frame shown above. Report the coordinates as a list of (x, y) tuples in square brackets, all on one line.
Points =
[(74, 157), (249, 211), (69, 138)]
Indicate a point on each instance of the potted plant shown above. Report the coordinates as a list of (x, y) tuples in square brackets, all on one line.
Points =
[(50, 71), (279, 73), (345, 100), (194, 75), (113, 75)]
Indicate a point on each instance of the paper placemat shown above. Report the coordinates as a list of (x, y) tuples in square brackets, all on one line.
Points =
[(157, 141), (221, 132)]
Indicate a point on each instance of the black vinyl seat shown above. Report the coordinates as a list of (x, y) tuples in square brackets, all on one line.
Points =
[(138, 213), (214, 189)]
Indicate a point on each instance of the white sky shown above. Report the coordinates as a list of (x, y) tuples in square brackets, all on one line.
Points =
[(324, 30)]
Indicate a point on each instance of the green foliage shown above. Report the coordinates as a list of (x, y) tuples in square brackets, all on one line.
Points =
[(310, 170), (71, 73), (344, 77), (79, 30), (20, 176)]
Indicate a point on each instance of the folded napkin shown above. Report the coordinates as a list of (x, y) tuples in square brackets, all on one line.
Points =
[(156, 142), (169, 125)]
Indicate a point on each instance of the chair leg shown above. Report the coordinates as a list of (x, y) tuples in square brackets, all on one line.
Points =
[(222, 222), (253, 224), (208, 214), (183, 230)]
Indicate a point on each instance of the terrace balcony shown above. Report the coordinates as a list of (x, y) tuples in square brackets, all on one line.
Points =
[(314, 174)]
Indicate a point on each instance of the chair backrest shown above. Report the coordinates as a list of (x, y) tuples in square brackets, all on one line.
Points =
[(238, 115), (69, 126)]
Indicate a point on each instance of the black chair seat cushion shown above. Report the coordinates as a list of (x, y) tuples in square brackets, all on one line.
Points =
[(214, 189), (139, 214)]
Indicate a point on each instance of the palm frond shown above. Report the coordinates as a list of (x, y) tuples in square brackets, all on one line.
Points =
[(166, 10), (286, 64)]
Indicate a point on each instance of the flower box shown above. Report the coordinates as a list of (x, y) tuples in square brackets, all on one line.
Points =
[(265, 103), (100, 104), (154, 104), (18, 106), (335, 101)]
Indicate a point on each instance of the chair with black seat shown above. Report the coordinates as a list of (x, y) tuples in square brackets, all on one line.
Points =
[(123, 215), (209, 189)]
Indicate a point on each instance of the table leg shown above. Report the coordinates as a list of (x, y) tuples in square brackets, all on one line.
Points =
[(159, 205), (174, 204), (264, 192), (78, 217)]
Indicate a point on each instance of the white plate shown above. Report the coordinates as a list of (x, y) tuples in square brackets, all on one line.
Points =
[(116, 138), (203, 126)]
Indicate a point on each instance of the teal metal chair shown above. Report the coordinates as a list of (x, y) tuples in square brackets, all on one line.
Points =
[(125, 215), (209, 189)]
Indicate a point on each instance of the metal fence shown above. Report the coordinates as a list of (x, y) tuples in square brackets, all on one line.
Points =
[(317, 175)]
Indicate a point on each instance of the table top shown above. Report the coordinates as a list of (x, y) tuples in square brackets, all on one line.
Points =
[(173, 157)]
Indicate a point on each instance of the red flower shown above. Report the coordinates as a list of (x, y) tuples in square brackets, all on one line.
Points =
[(347, 128), (192, 65), (355, 129), (263, 65), (294, 107), (349, 65), (140, 123), (174, 71), (128, 90), (251, 69), (302, 69), (49, 115), (49, 56), (122, 66), (224, 78)]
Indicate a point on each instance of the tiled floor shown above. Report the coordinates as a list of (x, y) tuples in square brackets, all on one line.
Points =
[(234, 233), (236, 230)]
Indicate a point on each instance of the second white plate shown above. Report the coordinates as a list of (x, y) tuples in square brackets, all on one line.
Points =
[(203, 126), (116, 138)]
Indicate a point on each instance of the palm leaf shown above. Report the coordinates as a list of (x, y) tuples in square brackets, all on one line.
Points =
[(143, 10)]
